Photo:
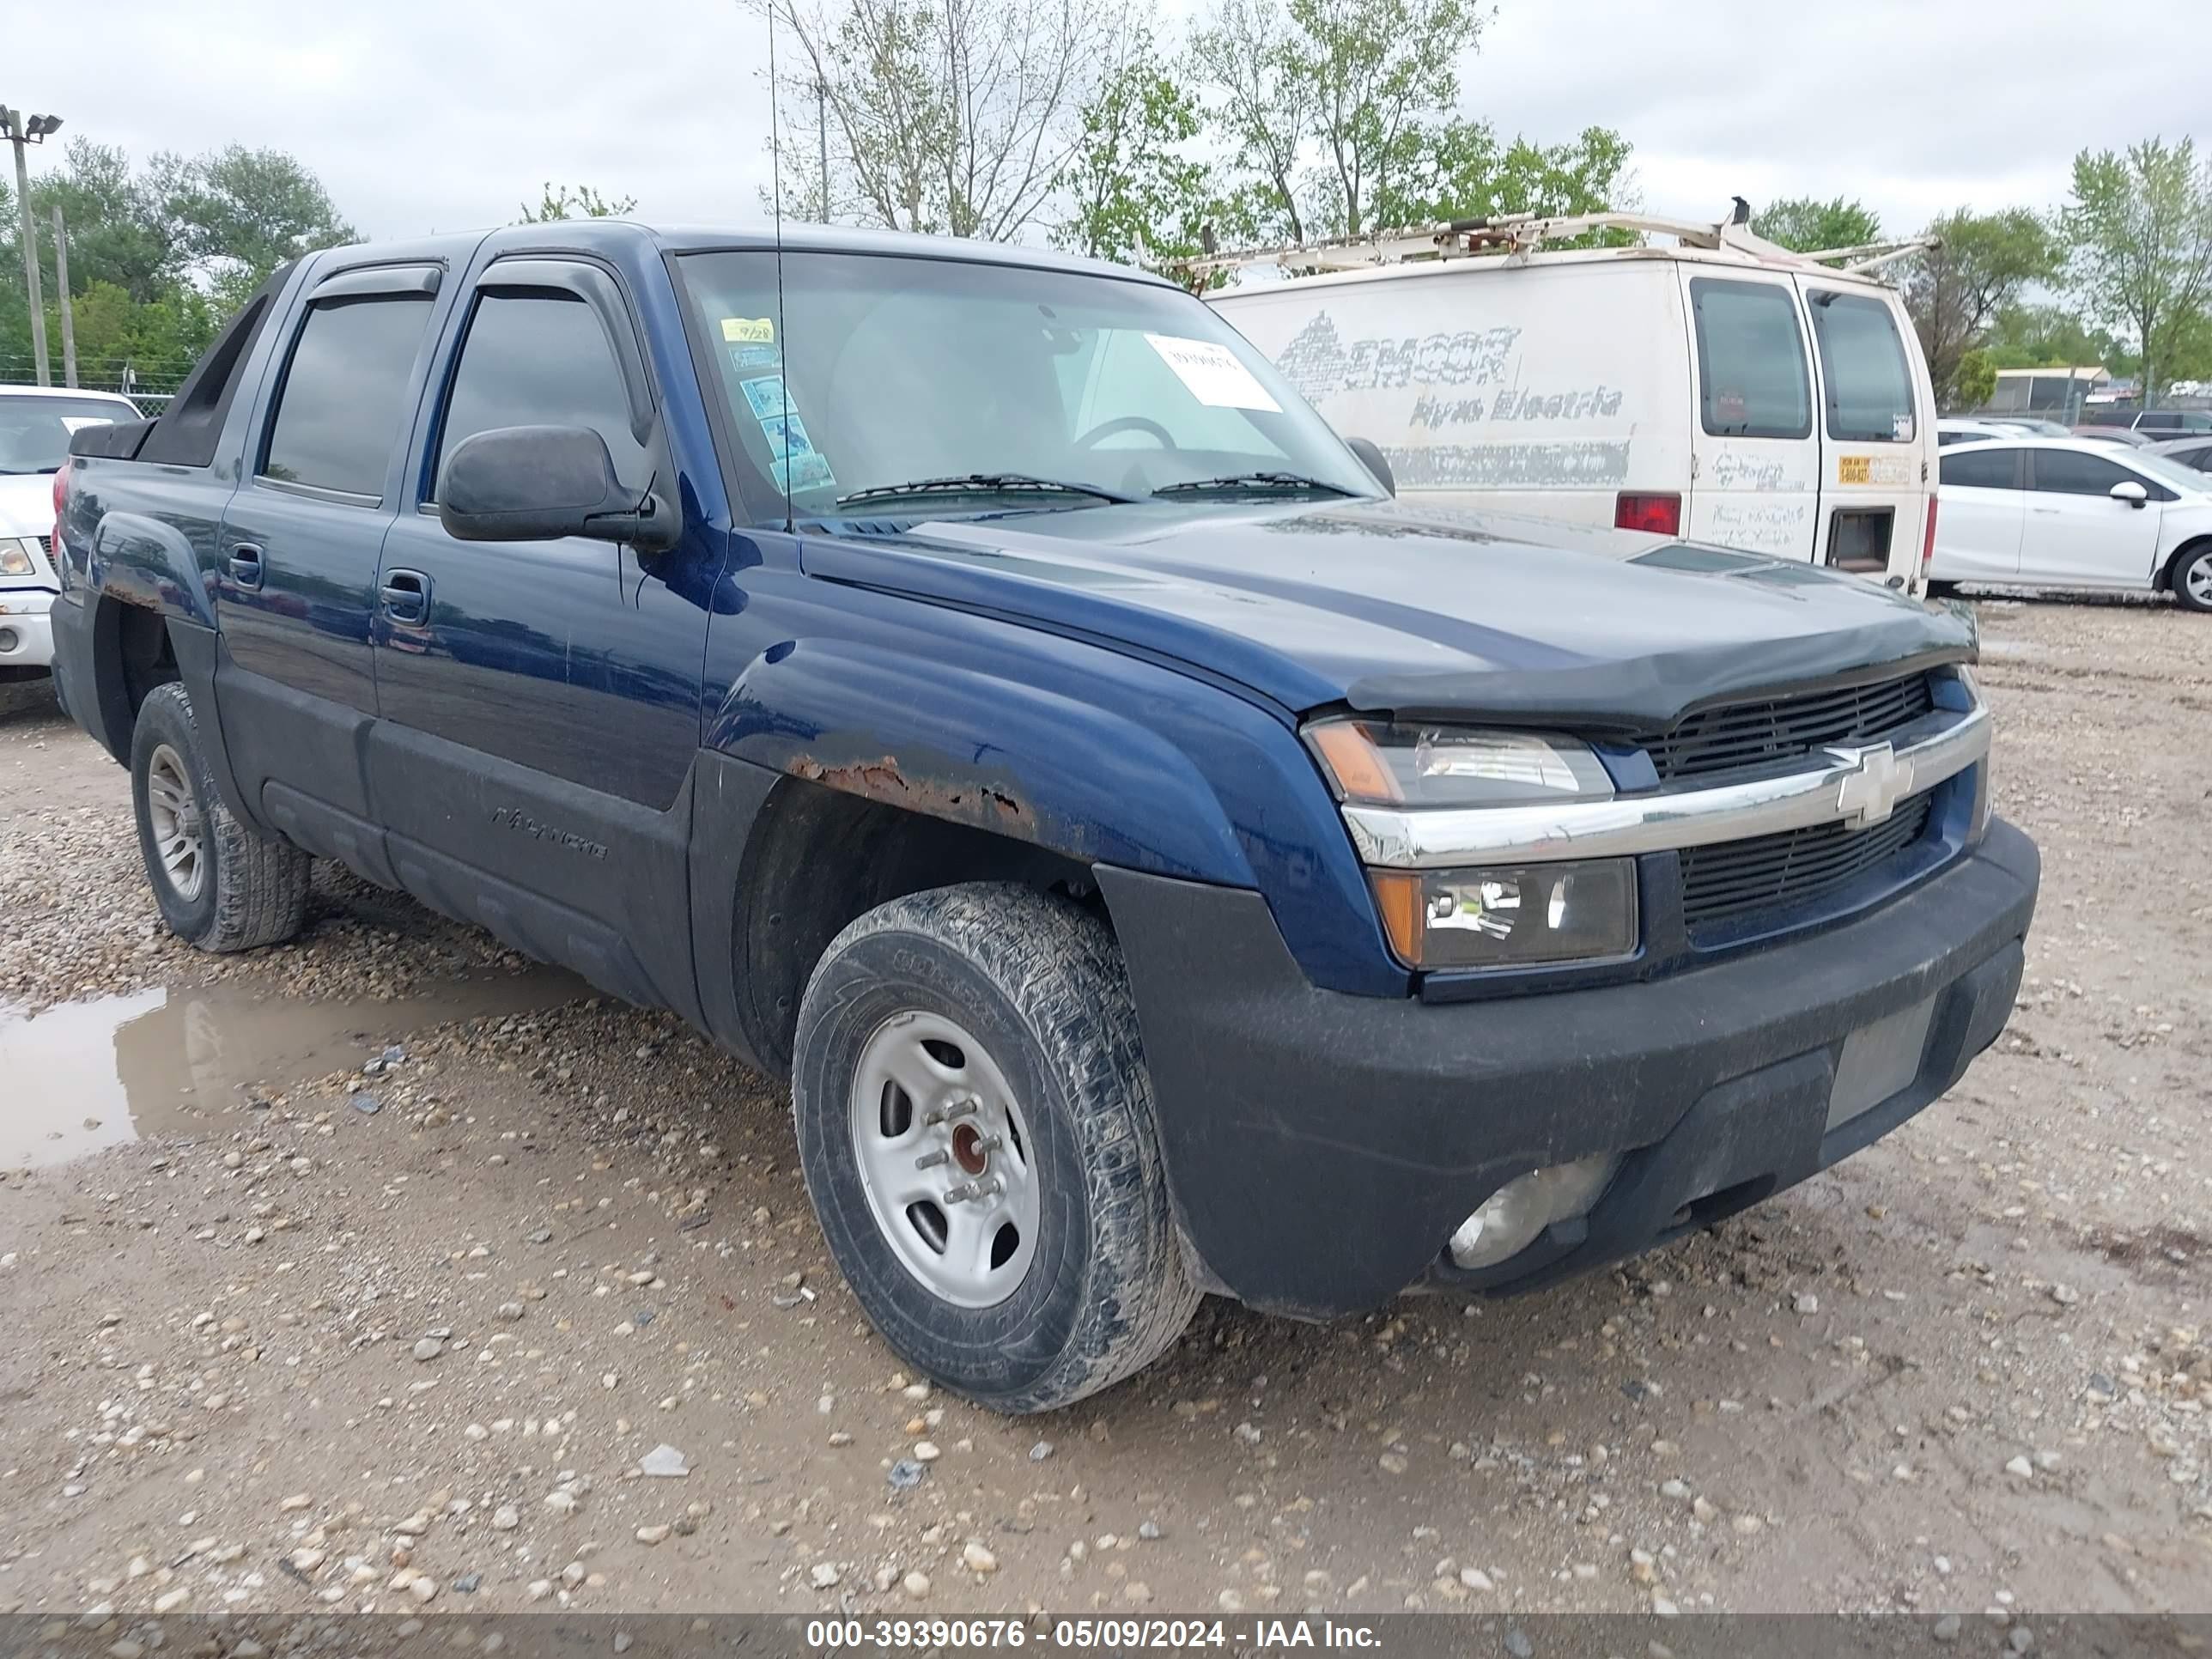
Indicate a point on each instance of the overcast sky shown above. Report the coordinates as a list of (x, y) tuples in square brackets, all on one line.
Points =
[(446, 114)]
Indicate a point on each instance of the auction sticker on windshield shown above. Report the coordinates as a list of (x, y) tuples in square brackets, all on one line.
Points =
[(1212, 374)]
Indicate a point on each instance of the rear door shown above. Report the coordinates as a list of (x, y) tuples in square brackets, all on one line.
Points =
[(1983, 509), (2076, 535), (295, 575), (1875, 483), (1757, 463)]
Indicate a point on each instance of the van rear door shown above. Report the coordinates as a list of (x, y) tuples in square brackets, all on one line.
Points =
[(1875, 410), (1757, 462)]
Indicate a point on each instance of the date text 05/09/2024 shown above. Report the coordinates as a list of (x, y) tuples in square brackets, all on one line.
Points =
[(1090, 1635)]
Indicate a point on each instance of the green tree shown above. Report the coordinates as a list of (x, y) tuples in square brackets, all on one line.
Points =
[(1955, 292), (1807, 226), (1458, 171), (1371, 72), (2138, 235), (1132, 182), (120, 229), (240, 213), (1357, 80), (2048, 336), (558, 201), (1242, 58), (955, 116), (1973, 379)]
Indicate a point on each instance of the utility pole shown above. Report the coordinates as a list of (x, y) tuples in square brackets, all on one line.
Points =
[(62, 293), (21, 133)]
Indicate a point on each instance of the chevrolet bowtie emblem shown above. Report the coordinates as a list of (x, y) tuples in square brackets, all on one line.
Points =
[(1877, 781)]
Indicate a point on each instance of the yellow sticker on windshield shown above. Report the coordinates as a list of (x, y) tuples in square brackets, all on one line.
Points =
[(1849, 469), (749, 330)]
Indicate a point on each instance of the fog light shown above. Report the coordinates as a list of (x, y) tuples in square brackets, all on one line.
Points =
[(1511, 1218), (9, 639)]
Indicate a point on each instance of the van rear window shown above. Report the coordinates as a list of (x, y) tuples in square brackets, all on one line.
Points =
[(1869, 388), (1751, 361)]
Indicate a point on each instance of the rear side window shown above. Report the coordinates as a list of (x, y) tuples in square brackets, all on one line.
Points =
[(1982, 469), (341, 412), (188, 430), (1751, 361), (1869, 386), (2070, 472), (540, 359), (2199, 459)]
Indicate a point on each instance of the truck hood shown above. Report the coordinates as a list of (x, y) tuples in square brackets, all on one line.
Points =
[(27, 504), (1422, 614)]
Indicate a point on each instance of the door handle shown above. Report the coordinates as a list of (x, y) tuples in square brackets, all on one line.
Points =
[(406, 596), (244, 564)]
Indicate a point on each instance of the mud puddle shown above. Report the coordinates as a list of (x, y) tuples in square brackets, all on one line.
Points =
[(82, 1076)]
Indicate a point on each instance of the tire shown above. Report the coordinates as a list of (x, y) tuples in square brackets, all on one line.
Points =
[(2192, 578), (1028, 994), (237, 889)]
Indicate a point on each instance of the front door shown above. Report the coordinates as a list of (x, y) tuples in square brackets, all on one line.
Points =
[(295, 576), (1758, 481), (540, 699), (2076, 534)]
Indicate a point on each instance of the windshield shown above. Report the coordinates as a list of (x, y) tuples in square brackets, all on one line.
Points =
[(35, 432), (891, 371)]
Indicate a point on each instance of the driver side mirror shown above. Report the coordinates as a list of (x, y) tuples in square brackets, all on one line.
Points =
[(527, 484), (1371, 457), (2130, 491)]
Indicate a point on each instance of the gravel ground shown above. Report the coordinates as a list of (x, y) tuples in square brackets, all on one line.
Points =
[(551, 1324)]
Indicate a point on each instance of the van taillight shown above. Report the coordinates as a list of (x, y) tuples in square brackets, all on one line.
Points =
[(61, 501), (1660, 515), (1928, 541)]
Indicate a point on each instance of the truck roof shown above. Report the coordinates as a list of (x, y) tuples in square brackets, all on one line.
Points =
[(587, 234)]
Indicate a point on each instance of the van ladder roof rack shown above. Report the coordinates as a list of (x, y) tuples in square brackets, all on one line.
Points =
[(1524, 232)]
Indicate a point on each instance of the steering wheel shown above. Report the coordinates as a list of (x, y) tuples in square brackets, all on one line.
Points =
[(1106, 429)]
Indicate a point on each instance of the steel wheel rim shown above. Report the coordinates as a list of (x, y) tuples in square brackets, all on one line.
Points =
[(945, 1159), (173, 813), (2198, 580)]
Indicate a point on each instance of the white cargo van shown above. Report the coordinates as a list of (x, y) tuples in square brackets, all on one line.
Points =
[(1718, 387)]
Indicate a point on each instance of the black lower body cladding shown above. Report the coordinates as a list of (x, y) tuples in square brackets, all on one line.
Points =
[(1321, 1148)]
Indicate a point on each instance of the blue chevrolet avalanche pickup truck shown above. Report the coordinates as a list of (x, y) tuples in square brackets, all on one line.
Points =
[(972, 684)]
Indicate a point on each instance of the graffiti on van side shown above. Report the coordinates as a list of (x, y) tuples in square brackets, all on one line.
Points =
[(1591, 463), (1319, 362), (1769, 527), (1515, 404), (1733, 470)]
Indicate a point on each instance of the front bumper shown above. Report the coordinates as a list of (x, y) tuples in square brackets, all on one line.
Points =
[(1321, 1148), (26, 635)]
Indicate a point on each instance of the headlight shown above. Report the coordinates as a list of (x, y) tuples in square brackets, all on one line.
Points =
[(15, 560), (1379, 763), (1510, 916)]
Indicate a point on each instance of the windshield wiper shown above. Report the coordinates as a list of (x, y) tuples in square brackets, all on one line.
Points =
[(981, 483), (1231, 483)]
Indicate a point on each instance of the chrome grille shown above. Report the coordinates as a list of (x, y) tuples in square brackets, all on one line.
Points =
[(1733, 879), (1744, 734)]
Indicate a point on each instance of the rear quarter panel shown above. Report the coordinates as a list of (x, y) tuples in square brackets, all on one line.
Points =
[(1539, 387)]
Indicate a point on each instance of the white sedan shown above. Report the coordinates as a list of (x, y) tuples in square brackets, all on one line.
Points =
[(2073, 513)]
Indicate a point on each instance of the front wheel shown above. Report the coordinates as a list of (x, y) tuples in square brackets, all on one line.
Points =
[(219, 884), (975, 1128), (2192, 579)]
